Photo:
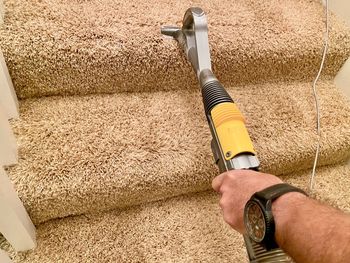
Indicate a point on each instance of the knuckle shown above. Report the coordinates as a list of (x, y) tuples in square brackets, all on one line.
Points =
[(223, 188), (229, 219), (222, 203), (231, 176)]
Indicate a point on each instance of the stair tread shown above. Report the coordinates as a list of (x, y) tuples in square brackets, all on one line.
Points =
[(80, 154), (180, 229), (80, 47)]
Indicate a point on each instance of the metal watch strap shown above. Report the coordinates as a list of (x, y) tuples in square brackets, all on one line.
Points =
[(275, 191)]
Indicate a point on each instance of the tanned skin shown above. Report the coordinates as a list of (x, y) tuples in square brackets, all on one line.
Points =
[(306, 229)]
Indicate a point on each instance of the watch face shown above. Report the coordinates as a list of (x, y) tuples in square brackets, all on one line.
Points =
[(255, 221)]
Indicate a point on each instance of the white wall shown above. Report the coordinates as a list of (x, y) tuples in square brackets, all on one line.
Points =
[(342, 9)]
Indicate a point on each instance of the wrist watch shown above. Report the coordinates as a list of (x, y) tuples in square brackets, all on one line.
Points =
[(258, 218)]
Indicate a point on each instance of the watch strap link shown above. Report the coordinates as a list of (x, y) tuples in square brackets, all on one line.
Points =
[(275, 191)]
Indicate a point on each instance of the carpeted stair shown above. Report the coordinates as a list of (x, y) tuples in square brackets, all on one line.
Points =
[(188, 228), (56, 47), (115, 162), (80, 154)]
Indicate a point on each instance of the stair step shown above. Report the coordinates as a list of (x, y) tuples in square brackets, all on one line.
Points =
[(81, 154), (80, 47), (188, 228)]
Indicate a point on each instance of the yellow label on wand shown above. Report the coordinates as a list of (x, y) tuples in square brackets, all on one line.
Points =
[(231, 131)]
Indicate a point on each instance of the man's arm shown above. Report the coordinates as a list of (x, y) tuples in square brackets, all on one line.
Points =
[(306, 229)]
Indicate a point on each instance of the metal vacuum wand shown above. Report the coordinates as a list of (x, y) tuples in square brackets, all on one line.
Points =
[(231, 145)]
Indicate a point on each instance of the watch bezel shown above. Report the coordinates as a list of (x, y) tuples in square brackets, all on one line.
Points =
[(265, 208)]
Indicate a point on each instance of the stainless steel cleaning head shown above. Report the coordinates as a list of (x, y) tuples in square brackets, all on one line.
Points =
[(193, 37)]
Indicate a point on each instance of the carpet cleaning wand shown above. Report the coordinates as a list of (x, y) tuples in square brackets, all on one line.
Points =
[(231, 145)]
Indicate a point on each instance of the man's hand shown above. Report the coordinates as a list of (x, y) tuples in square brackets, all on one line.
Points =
[(236, 188), (304, 228)]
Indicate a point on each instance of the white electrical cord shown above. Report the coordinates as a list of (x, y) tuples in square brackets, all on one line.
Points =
[(325, 48)]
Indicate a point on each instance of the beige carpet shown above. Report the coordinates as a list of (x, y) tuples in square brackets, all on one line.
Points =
[(182, 229), (82, 154), (112, 177), (57, 47)]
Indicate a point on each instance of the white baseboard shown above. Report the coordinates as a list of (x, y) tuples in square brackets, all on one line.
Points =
[(342, 9), (8, 98), (2, 11), (8, 149), (4, 258), (15, 224), (342, 80)]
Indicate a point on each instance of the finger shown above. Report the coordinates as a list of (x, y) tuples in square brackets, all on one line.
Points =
[(217, 182)]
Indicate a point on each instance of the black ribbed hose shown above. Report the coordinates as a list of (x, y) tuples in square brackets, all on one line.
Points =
[(214, 93)]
